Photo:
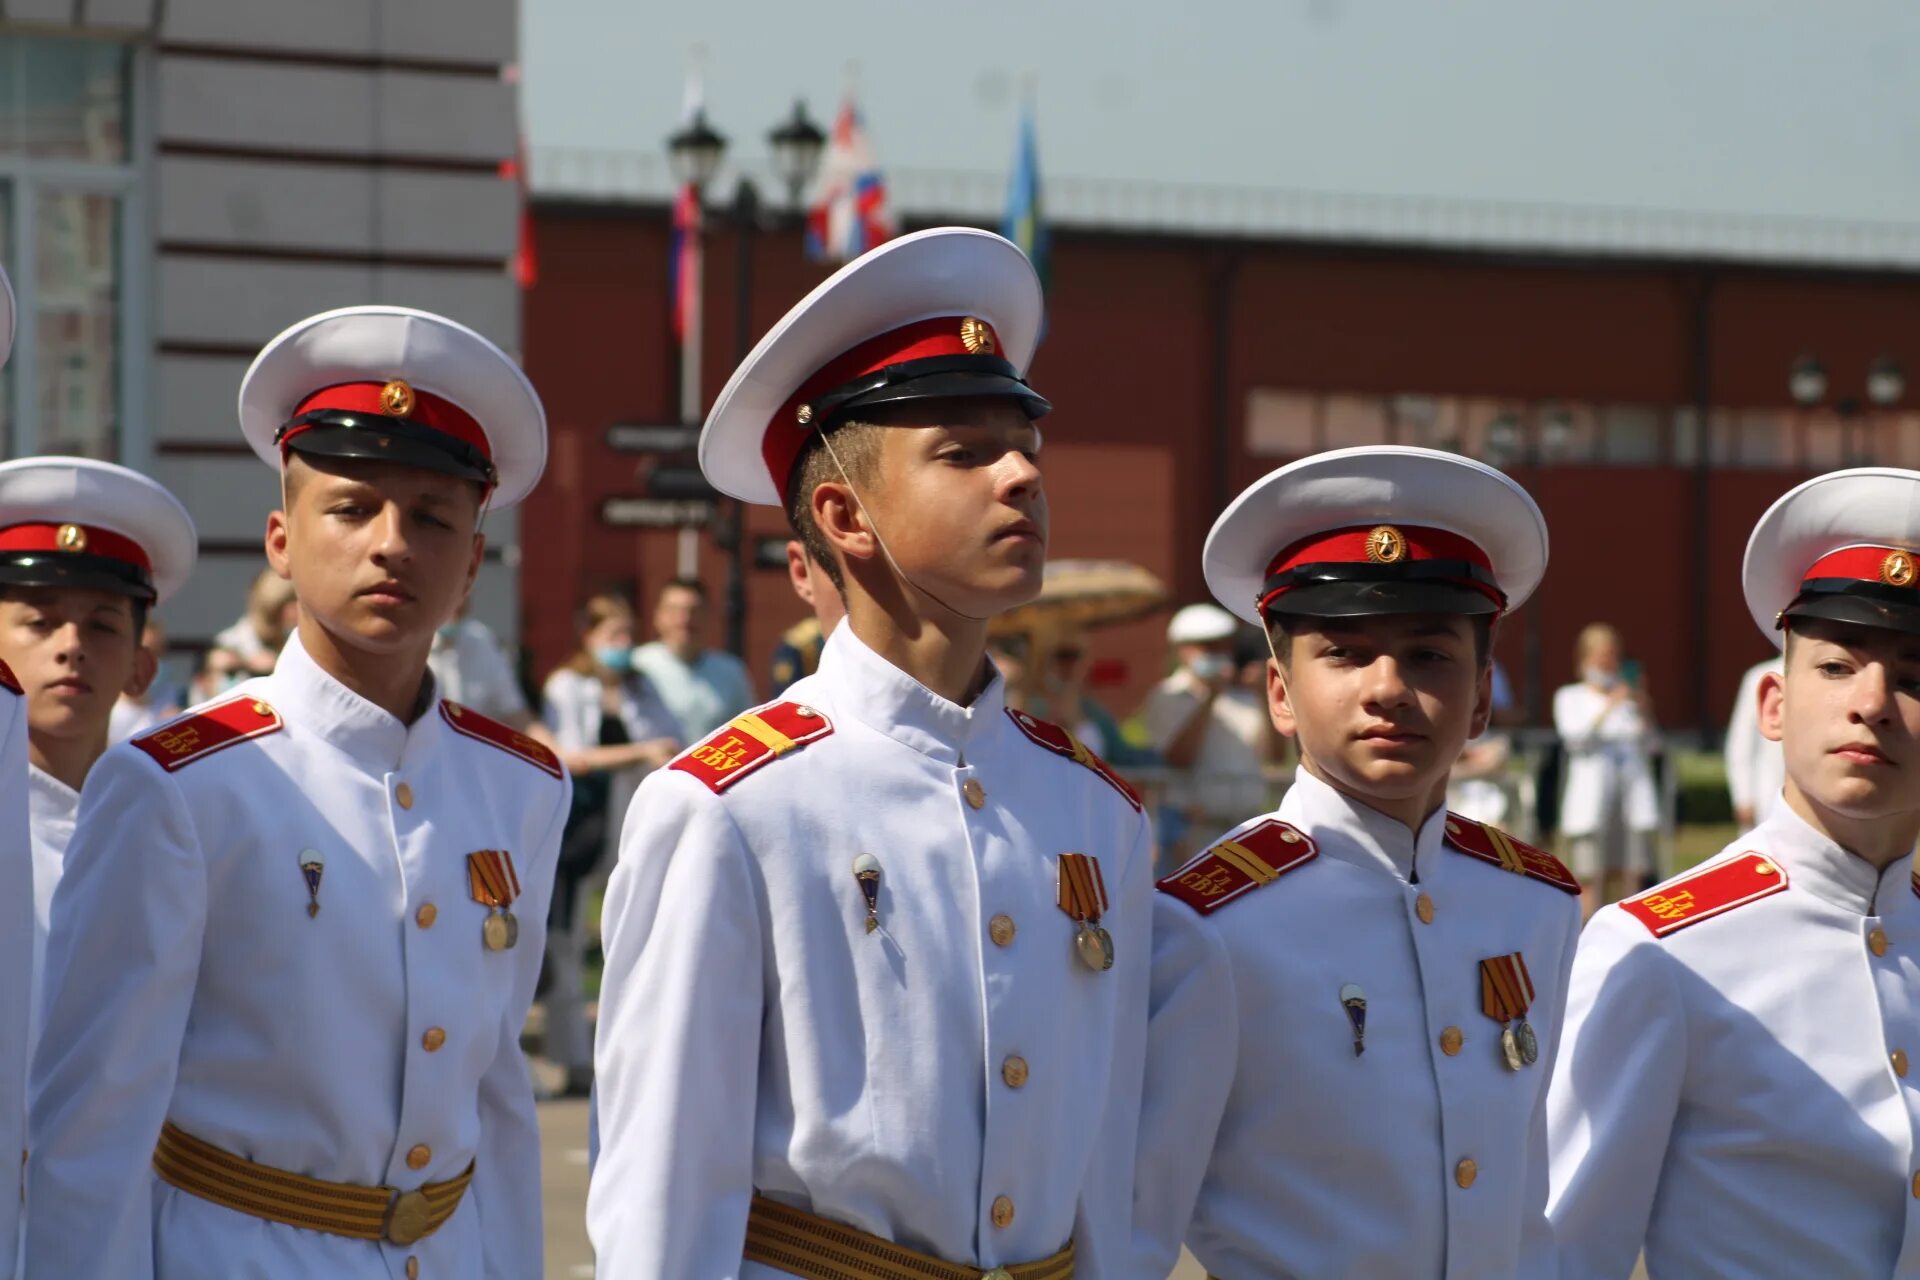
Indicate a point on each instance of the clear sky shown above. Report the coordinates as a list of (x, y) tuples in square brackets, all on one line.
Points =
[(1766, 106)]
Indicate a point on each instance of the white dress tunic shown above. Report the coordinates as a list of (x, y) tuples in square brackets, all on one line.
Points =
[(957, 1080), (373, 1043), (52, 806), (16, 959), (1279, 1153), (1734, 1093)]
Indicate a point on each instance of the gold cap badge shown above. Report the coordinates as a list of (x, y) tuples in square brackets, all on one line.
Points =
[(977, 336), (804, 413), (396, 399), (71, 537), (1897, 569), (1386, 545)]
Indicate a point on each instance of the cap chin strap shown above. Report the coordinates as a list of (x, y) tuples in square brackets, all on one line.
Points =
[(826, 438)]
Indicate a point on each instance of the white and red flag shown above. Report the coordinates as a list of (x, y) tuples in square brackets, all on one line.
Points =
[(847, 212)]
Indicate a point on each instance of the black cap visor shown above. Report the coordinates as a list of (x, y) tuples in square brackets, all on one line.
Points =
[(932, 378), (1342, 590), (1862, 604), (331, 433), (75, 571)]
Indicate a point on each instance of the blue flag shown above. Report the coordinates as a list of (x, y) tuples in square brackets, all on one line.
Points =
[(1026, 222)]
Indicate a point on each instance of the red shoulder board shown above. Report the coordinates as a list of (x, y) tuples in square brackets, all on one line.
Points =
[(1259, 855), (1062, 743), (178, 743), (1490, 844), (510, 740), (1706, 893), (8, 680), (750, 741)]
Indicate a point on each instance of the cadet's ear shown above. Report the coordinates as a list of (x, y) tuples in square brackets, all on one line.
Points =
[(1773, 706), (842, 521), (1279, 700)]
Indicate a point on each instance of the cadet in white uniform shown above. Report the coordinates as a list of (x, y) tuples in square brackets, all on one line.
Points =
[(16, 918), (1734, 1095), (1355, 999), (299, 928), (876, 954), (86, 548)]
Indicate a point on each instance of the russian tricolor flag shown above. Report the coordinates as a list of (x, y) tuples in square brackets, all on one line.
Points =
[(847, 213)]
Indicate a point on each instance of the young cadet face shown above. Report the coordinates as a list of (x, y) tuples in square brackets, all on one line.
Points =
[(960, 504), (75, 652), (379, 554), (1847, 716), (1382, 705)]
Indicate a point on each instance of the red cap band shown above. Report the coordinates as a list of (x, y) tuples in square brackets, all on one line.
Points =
[(427, 410), (1381, 544), (75, 539), (941, 336), (1893, 566)]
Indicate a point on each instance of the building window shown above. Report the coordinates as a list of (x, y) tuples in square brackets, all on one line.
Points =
[(69, 190)]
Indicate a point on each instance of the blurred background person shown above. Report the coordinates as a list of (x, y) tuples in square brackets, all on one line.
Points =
[(470, 667), (1609, 810), (251, 646), (1061, 696), (703, 687), (798, 653), (1756, 769), (1481, 785), (609, 726), (1212, 729), (160, 701)]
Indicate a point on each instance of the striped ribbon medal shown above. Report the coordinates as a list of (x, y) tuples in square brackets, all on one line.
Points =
[(1083, 896), (1506, 993), (491, 878)]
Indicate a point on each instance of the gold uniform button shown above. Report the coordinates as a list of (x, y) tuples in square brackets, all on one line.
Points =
[(1916, 1186), (1900, 1063), (1465, 1172), (1001, 930), (1002, 1212), (1423, 907), (975, 793), (426, 915), (1451, 1040), (404, 794), (419, 1157), (1014, 1071), (1877, 942), (432, 1041), (413, 1269)]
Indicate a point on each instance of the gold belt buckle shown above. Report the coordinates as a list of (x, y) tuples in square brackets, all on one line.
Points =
[(998, 1273), (409, 1217)]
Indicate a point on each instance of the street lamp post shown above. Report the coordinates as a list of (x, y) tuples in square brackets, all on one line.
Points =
[(797, 144), (1885, 387), (694, 153)]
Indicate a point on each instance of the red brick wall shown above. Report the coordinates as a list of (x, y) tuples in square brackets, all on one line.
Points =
[(1130, 362)]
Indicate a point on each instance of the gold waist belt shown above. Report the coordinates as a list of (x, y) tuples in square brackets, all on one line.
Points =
[(806, 1245), (337, 1208)]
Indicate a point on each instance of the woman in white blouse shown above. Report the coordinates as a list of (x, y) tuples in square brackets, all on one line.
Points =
[(610, 727), (1609, 810)]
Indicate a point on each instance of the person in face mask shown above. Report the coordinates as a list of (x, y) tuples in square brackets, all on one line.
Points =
[(1203, 721), (609, 727), (1609, 810)]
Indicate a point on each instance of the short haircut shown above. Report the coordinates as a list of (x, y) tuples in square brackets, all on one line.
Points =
[(694, 585), (856, 445), (1282, 626)]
